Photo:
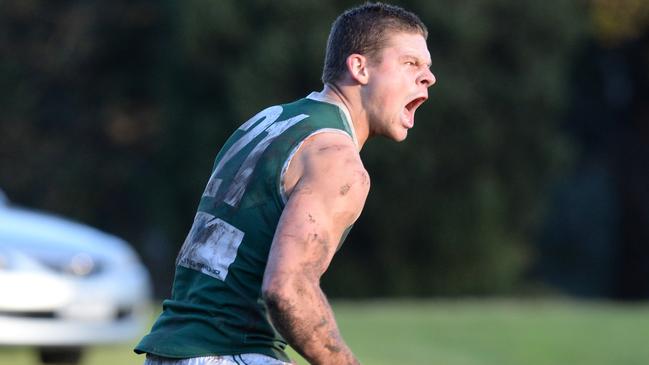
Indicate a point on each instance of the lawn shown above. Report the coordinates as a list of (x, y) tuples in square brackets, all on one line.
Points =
[(499, 332)]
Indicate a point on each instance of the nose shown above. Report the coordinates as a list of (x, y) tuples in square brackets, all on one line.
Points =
[(427, 78)]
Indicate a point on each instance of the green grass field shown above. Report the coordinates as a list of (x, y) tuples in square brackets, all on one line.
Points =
[(499, 332)]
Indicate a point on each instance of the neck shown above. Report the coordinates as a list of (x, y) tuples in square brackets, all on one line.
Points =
[(344, 95)]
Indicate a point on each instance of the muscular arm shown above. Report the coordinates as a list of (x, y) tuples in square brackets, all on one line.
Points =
[(328, 197)]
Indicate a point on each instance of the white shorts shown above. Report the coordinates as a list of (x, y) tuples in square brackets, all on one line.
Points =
[(243, 359)]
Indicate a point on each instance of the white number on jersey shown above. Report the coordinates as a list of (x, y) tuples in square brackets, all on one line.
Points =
[(263, 122), (212, 244)]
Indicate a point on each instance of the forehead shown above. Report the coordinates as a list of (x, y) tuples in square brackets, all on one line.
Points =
[(404, 44)]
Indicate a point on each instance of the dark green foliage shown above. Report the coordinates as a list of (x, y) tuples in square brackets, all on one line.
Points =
[(112, 112)]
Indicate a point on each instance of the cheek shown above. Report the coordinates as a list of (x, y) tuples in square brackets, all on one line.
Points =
[(398, 86), (378, 95), (389, 91)]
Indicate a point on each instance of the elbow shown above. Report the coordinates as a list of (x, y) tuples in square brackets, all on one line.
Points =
[(286, 291), (273, 293), (270, 294), (274, 304), (282, 310), (278, 303), (282, 294)]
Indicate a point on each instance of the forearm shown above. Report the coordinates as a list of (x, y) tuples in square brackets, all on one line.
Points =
[(305, 319)]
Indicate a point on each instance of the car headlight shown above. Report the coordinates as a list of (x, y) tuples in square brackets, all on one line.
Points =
[(79, 264)]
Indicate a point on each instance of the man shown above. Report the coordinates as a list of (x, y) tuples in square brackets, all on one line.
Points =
[(285, 189)]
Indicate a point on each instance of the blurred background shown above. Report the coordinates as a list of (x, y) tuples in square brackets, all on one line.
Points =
[(526, 175)]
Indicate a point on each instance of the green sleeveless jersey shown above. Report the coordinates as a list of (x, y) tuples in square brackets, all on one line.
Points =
[(216, 306)]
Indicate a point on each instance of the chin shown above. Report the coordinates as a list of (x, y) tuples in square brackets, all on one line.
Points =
[(399, 137)]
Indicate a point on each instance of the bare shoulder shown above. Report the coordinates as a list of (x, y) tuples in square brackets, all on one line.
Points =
[(331, 161), (327, 198)]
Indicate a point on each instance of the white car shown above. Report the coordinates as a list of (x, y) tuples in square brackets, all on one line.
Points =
[(65, 286)]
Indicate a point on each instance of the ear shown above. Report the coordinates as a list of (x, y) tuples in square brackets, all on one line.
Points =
[(357, 67)]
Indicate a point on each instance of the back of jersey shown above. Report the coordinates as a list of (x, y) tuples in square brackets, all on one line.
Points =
[(216, 306)]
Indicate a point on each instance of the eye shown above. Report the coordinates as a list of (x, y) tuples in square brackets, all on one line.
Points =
[(411, 63)]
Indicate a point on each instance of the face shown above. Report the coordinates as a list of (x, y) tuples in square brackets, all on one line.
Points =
[(397, 85)]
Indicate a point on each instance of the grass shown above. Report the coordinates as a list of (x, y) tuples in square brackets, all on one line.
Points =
[(499, 332)]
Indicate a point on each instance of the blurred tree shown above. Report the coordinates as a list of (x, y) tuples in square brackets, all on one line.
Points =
[(616, 21), (112, 112), (595, 238)]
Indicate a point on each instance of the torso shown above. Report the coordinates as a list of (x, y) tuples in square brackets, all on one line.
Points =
[(216, 307)]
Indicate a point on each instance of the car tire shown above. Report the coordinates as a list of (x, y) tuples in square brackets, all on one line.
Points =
[(60, 355)]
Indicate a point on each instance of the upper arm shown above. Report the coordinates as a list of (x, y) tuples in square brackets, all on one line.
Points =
[(328, 196)]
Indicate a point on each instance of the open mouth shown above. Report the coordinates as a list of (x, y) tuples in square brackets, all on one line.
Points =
[(409, 110), (414, 104)]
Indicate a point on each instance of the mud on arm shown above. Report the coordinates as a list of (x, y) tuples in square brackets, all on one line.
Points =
[(327, 199)]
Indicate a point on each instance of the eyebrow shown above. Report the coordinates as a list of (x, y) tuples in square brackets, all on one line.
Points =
[(420, 61)]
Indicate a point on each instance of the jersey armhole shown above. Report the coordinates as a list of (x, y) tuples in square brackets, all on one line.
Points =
[(287, 163)]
